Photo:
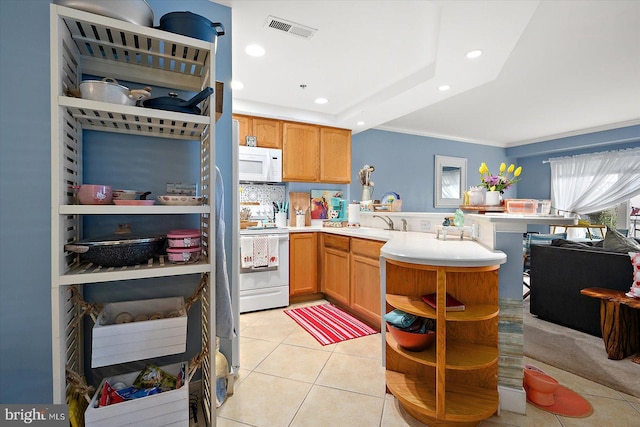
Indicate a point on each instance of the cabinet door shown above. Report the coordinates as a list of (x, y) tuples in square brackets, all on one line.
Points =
[(303, 262), (335, 155), (365, 279), (245, 128), (268, 132), (300, 152), (336, 275), (365, 288)]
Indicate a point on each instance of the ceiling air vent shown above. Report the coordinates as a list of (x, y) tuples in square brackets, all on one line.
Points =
[(290, 27)]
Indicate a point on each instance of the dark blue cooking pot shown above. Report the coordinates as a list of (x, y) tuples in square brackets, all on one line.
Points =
[(191, 25)]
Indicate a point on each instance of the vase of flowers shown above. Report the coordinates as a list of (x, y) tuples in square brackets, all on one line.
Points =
[(492, 198), (496, 184)]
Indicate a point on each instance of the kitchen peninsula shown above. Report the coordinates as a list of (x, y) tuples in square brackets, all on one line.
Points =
[(498, 244), (455, 382)]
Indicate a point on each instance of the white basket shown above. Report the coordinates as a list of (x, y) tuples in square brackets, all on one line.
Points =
[(126, 342), (169, 408)]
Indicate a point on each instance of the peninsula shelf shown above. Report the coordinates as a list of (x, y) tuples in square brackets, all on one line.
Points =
[(453, 382)]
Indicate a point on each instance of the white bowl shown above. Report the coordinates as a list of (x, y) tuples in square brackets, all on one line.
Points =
[(180, 200), (126, 194)]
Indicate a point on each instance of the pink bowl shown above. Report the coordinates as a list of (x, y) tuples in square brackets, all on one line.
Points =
[(187, 238), (183, 255), (92, 194), (410, 340)]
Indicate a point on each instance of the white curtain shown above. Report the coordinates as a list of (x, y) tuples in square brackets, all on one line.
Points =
[(594, 182)]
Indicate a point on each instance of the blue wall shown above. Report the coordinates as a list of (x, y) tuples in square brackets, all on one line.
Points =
[(405, 164), (25, 231)]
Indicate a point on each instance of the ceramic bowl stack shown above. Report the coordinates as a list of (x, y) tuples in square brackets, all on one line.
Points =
[(184, 246), (411, 332)]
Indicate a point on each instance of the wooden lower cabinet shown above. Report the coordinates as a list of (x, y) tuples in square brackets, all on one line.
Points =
[(335, 268), (351, 275), (454, 381), (365, 279), (303, 263), (336, 275)]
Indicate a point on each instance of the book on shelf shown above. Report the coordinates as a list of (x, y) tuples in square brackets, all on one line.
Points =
[(452, 303)]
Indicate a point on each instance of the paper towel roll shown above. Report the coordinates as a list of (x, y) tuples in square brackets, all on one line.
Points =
[(354, 213)]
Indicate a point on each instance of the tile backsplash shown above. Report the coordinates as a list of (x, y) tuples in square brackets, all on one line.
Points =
[(262, 193)]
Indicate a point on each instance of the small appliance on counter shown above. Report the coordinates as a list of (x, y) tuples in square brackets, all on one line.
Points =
[(338, 210), (337, 213)]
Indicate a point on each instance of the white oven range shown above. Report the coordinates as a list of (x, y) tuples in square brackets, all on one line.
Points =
[(265, 287)]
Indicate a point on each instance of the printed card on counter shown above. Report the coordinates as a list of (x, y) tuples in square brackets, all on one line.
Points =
[(452, 303)]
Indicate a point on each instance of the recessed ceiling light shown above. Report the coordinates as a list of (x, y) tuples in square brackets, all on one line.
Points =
[(254, 50), (360, 123), (236, 85), (474, 54), (444, 87), (321, 100)]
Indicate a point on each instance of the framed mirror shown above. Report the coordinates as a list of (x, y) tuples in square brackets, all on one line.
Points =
[(450, 181)]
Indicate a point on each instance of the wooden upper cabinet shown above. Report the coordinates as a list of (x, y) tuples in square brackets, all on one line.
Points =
[(335, 155), (310, 153), (245, 128), (268, 132), (300, 152)]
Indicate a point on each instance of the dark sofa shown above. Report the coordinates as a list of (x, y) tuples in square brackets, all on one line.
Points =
[(558, 273)]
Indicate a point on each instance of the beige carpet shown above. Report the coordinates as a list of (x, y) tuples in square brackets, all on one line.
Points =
[(579, 353)]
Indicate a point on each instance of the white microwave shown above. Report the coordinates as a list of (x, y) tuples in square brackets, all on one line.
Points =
[(258, 164)]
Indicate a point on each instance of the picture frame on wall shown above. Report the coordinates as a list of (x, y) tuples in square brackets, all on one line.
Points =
[(321, 202)]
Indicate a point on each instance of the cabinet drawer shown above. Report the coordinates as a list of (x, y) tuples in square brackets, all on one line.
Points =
[(368, 248), (336, 242)]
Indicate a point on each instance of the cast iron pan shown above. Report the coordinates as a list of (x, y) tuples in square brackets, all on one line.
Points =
[(173, 103)]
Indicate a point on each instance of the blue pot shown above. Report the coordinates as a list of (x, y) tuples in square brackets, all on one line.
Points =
[(191, 25)]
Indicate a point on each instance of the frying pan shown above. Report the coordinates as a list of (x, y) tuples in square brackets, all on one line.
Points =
[(173, 103)]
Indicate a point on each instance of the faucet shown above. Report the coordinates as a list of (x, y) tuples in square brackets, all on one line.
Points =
[(387, 220), (404, 224)]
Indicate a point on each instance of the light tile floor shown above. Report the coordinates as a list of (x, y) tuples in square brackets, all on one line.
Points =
[(288, 379)]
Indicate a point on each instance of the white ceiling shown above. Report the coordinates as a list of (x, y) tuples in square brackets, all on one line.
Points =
[(548, 69)]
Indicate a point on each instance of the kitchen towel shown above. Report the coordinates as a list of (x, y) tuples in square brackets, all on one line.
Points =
[(246, 251), (274, 247), (260, 251)]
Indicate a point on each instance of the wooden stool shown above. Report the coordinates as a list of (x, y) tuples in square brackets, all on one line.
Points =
[(619, 321)]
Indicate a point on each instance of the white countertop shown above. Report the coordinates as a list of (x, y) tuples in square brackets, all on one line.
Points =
[(523, 219), (424, 248), (419, 248)]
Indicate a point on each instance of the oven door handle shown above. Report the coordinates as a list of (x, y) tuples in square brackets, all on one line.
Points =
[(258, 269)]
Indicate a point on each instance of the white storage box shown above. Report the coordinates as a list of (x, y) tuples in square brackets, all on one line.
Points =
[(125, 342), (169, 408)]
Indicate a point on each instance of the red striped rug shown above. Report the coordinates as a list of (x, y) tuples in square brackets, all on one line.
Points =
[(328, 324)]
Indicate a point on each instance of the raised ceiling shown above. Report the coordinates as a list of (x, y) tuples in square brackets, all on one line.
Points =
[(548, 68)]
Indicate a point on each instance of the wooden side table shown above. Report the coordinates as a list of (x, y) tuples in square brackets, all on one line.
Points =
[(601, 227), (619, 321)]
